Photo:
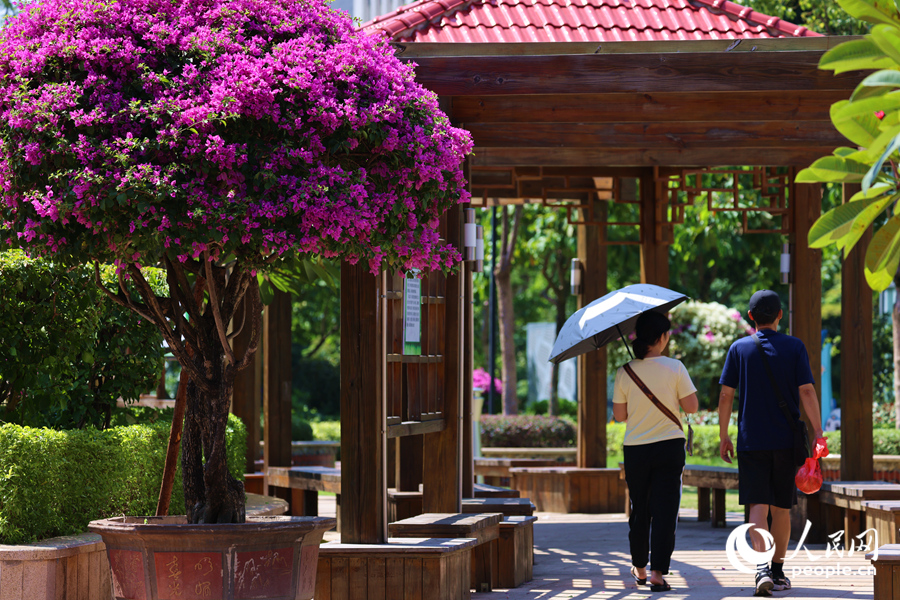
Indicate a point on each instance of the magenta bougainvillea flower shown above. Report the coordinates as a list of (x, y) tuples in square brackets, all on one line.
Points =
[(212, 137), (133, 128)]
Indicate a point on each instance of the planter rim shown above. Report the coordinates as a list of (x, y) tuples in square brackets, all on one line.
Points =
[(179, 524)]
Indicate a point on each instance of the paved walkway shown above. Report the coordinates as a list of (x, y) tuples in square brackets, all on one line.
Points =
[(586, 557)]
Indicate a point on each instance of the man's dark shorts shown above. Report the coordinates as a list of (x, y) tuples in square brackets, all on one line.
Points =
[(767, 477)]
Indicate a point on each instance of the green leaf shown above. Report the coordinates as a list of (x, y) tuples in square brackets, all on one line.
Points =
[(883, 255), (860, 127), (873, 11), (884, 78), (833, 169), (862, 222), (266, 292), (887, 38), (855, 55), (836, 223), (876, 167)]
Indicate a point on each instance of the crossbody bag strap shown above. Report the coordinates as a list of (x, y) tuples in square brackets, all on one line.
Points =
[(649, 394), (781, 402)]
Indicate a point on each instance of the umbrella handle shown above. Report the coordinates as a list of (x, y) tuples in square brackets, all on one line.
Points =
[(627, 346)]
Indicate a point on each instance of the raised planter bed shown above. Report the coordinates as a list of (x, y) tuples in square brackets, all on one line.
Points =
[(76, 566), (886, 468)]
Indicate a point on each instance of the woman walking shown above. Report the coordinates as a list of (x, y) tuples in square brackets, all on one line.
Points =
[(648, 393)]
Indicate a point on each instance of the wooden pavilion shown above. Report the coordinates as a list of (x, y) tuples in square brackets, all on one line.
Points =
[(582, 122)]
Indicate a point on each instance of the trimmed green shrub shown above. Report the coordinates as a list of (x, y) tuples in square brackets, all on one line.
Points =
[(327, 430), (884, 441), (706, 439), (68, 351), (526, 431), (55, 482)]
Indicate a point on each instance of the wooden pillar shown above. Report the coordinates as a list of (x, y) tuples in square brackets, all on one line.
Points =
[(468, 317), (592, 366), (277, 385), (443, 450), (246, 401), (363, 423), (856, 361), (654, 232), (806, 278)]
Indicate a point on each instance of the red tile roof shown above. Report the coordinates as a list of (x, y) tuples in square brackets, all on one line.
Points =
[(578, 21)]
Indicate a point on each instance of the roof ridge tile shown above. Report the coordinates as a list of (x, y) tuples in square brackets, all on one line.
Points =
[(569, 20)]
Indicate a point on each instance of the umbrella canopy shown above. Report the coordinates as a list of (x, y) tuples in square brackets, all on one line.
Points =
[(612, 316)]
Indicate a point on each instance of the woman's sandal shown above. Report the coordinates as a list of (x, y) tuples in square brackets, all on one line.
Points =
[(637, 579), (660, 587)]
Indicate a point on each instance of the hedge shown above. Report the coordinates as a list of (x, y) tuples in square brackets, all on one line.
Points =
[(55, 482), (526, 431)]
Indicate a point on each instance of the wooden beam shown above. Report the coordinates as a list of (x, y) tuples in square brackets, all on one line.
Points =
[(629, 73), (363, 441), (654, 242), (443, 451), (592, 366), (664, 107), (660, 136), (856, 366), (246, 401), (277, 385), (645, 157), (655, 47), (806, 283)]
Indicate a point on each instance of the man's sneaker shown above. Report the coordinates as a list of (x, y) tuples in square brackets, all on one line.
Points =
[(781, 583), (764, 583)]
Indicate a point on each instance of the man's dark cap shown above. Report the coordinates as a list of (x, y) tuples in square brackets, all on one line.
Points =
[(765, 303)]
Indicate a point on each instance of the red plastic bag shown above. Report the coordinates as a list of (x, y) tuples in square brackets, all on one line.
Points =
[(809, 477)]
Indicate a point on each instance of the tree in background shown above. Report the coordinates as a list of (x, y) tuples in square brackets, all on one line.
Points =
[(870, 120), (213, 138), (505, 308), (551, 249)]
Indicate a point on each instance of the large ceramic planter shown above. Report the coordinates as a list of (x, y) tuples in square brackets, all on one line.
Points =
[(164, 558)]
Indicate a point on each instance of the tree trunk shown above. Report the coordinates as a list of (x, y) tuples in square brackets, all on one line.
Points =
[(506, 316), (211, 494)]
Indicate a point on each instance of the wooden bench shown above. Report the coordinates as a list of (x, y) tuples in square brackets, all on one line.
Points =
[(432, 568), (496, 470), (887, 572), (509, 507), (483, 490), (843, 503), (571, 489), (403, 505), (484, 528), (515, 551), (884, 517), (305, 484), (717, 479)]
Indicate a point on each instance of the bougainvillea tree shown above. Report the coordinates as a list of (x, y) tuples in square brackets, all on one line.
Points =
[(212, 137)]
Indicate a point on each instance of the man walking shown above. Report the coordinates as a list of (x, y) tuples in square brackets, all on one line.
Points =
[(765, 436)]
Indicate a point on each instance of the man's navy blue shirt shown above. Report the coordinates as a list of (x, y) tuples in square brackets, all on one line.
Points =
[(761, 423)]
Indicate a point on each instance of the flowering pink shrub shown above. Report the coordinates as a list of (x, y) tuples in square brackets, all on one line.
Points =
[(481, 381), (134, 128), (212, 137)]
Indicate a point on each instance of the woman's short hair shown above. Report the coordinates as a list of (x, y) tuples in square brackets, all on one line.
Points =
[(649, 328)]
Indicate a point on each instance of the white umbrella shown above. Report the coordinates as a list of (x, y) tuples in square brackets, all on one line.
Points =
[(610, 317)]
